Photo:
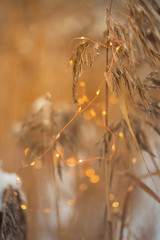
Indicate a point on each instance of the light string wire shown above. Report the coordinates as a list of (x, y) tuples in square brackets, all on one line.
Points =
[(79, 110)]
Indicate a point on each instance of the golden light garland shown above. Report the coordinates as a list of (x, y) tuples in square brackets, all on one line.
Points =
[(78, 110)]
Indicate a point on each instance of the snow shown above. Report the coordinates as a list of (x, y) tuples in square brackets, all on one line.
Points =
[(6, 179)]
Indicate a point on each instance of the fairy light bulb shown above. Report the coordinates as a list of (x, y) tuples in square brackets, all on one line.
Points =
[(18, 178), (90, 172), (94, 179), (57, 136), (80, 160), (33, 163), (110, 43), (104, 113), (57, 155), (115, 204), (121, 135), (98, 92), (71, 62), (117, 48), (26, 151), (79, 109), (113, 147), (82, 84), (24, 207), (82, 37)]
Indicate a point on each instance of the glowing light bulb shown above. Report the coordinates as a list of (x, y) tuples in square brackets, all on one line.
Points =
[(82, 84), (79, 109), (33, 163), (58, 135), (113, 147), (18, 178), (115, 204), (90, 172), (71, 62), (117, 48), (110, 43), (57, 155), (82, 37), (94, 179), (121, 135), (80, 161), (98, 92), (24, 207), (104, 113), (26, 151)]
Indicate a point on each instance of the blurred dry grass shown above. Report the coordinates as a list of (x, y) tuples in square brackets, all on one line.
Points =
[(33, 60)]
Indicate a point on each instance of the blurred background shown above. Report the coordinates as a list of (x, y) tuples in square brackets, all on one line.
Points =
[(33, 61)]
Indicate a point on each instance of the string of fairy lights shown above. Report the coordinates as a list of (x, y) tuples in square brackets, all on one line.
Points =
[(89, 172)]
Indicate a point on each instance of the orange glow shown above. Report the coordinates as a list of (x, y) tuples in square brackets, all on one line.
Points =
[(70, 202), (121, 135), (58, 135), (18, 178), (70, 62), (104, 113), (93, 113), (117, 48), (111, 196), (71, 162), (90, 172), (78, 109), (15, 194), (113, 147), (80, 161), (57, 155), (82, 84), (115, 204), (24, 207), (110, 43), (134, 160), (33, 163), (94, 179), (130, 188), (26, 151), (98, 92), (83, 187)]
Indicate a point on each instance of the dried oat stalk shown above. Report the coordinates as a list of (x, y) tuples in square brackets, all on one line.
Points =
[(83, 57), (13, 218)]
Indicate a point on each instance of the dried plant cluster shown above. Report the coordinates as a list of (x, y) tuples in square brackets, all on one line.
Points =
[(111, 148), (139, 34)]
